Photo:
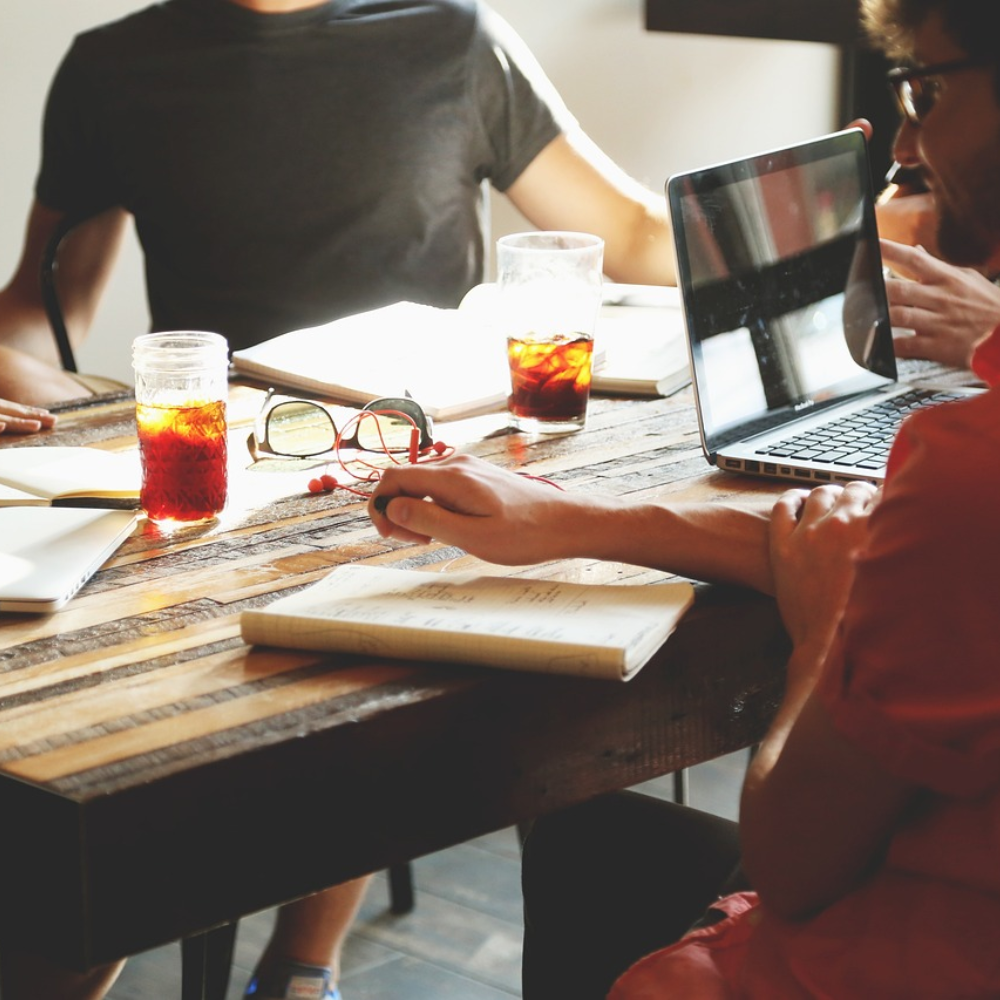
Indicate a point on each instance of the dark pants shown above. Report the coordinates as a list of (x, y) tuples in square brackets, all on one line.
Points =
[(611, 880)]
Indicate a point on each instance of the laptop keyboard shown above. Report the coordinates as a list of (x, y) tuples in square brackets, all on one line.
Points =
[(861, 440)]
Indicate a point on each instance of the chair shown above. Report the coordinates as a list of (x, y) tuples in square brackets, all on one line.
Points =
[(206, 958)]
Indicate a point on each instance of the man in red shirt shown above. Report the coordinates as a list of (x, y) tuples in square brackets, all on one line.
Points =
[(869, 815)]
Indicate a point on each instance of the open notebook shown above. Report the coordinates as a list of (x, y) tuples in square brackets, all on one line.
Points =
[(48, 553), (409, 349), (787, 322)]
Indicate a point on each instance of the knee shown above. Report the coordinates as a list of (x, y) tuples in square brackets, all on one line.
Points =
[(562, 844)]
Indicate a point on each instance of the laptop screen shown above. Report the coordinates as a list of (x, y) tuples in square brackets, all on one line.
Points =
[(781, 278)]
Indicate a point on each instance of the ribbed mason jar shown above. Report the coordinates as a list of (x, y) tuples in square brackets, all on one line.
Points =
[(181, 388)]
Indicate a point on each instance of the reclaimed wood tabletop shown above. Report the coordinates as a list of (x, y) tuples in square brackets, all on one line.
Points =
[(150, 760)]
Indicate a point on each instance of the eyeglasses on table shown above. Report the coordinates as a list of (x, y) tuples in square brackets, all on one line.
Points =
[(397, 428)]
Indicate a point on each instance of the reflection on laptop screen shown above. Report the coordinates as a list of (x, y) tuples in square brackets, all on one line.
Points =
[(779, 264)]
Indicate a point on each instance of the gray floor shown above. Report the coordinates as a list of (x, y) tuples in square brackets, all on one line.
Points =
[(461, 942)]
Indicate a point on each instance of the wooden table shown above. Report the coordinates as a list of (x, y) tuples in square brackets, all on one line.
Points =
[(158, 777)]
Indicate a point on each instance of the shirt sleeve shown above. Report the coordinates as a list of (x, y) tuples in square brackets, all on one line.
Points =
[(520, 110), (916, 679), (74, 176)]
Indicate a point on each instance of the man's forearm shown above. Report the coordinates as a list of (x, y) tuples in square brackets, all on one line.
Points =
[(710, 542)]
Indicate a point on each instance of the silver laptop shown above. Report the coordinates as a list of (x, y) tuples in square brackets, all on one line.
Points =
[(788, 326), (48, 553)]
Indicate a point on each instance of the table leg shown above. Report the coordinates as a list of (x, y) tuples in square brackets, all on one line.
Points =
[(206, 960), (401, 888)]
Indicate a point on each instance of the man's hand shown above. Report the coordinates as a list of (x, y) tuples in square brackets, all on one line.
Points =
[(497, 515), (950, 309), (815, 539), (513, 520)]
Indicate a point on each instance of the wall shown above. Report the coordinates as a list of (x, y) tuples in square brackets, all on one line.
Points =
[(659, 103), (656, 103), (33, 38)]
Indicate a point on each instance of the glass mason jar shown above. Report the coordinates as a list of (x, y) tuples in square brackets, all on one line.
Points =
[(181, 387)]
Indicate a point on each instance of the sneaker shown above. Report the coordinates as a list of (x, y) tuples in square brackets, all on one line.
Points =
[(293, 981)]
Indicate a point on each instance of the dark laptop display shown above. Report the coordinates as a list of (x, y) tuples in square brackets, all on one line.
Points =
[(784, 299)]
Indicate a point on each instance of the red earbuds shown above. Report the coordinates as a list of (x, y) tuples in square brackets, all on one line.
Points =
[(324, 484)]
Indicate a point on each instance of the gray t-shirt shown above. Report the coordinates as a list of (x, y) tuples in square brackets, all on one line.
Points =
[(287, 169)]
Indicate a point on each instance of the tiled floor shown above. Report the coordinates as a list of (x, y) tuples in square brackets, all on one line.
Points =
[(461, 942)]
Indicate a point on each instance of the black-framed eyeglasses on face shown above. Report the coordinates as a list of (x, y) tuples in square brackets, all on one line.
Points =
[(917, 88), (300, 428)]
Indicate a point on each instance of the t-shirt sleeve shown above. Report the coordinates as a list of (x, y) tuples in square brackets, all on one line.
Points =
[(74, 176), (520, 110), (915, 680)]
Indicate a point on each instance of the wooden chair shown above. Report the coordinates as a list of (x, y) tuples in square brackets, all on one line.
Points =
[(206, 958)]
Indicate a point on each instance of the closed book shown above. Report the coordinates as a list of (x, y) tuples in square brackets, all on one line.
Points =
[(606, 631), (643, 349)]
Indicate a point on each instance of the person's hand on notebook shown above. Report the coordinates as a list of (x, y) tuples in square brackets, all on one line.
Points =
[(18, 419), (948, 308), (512, 520)]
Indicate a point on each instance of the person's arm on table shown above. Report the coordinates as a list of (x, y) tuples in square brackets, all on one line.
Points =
[(571, 184), (85, 262), (816, 811), (31, 372), (949, 308), (512, 520)]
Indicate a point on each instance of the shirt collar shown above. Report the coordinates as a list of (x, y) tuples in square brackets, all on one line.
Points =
[(234, 18)]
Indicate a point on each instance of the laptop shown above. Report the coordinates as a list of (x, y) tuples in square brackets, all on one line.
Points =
[(48, 553), (788, 329)]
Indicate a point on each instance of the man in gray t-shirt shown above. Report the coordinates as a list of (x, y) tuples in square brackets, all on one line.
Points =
[(285, 171), (287, 162)]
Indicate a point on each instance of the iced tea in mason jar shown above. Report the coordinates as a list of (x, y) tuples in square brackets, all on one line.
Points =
[(181, 387)]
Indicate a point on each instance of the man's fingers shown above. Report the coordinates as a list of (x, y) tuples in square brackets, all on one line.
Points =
[(393, 514), (801, 506), (914, 263), (913, 345), (19, 425), (858, 495)]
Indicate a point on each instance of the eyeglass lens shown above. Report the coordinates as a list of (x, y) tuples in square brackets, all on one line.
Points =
[(384, 431), (299, 429), (917, 96)]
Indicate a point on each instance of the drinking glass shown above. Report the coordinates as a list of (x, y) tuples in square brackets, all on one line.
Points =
[(549, 286), (181, 387)]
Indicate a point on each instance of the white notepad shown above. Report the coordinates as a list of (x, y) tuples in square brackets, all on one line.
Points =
[(48, 553)]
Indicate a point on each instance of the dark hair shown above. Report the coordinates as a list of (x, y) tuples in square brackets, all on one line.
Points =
[(972, 24)]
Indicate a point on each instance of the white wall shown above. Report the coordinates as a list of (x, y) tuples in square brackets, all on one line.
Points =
[(33, 38), (659, 103), (656, 103)]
